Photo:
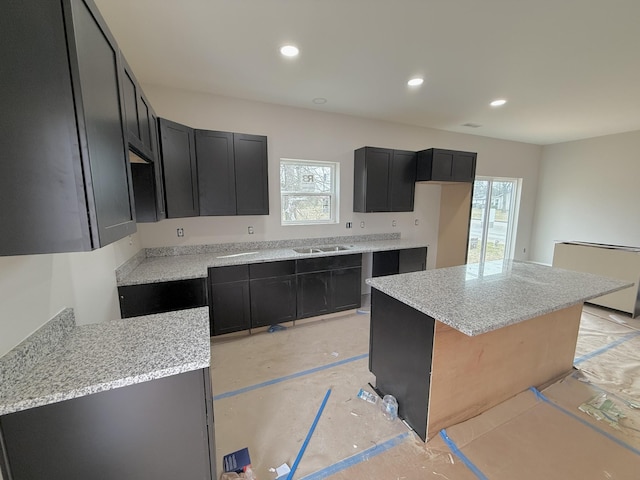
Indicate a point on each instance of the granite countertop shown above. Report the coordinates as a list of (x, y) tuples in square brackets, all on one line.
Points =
[(93, 358), (169, 267), (476, 299)]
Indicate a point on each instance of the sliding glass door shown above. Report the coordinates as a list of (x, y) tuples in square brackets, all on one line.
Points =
[(492, 219)]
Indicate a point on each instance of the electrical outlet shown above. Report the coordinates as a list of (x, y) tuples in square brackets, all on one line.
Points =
[(393, 223), (362, 224), (181, 232), (349, 224), (250, 229)]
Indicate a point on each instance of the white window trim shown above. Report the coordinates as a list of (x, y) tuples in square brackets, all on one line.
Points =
[(335, 209)]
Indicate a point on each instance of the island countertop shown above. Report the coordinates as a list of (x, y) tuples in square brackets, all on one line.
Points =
[(62, 361), (479, 298)]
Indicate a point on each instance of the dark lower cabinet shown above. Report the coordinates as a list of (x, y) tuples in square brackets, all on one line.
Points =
[(162, 429), (273, 292), (262, 294), (393, 262), (273, 300), (148, 298), (314, 294), (346, 288), (328, 284), (229, 299)]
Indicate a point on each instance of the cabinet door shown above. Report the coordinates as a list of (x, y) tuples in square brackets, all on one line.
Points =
[(385, 263), (102, 122), (252, 173), (346, 289), (273, 300), (157, 167), (402, 181), (442, 165), (412, 260), (371, 179), (144, 124), (216, 172), (41, 181), (464, 167), (180, 169), (229, 307), (162, 429), (149, 298), (314, 294), (129, 97)]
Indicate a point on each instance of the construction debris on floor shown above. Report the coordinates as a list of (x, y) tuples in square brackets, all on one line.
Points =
[(267, 388)]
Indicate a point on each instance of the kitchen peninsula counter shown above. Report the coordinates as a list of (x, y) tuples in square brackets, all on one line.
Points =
[(450, 343), (63, 361)]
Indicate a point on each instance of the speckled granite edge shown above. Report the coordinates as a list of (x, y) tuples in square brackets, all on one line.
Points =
[(264, 245), (94, 358), (130, 265), (38, 345), (475, 306)]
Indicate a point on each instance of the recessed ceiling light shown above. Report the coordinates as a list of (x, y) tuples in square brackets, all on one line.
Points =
[(319, 100), (289, 51), (498, 103), (415, 82)]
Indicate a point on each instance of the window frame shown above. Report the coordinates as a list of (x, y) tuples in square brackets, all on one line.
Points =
[(333, 194)]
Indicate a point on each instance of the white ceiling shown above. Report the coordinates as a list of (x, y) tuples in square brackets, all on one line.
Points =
[(570, 69)]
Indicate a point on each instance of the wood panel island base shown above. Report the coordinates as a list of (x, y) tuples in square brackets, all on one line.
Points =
[(453, 342)]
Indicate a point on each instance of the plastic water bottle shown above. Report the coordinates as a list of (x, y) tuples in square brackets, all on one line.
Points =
[(389, 407)]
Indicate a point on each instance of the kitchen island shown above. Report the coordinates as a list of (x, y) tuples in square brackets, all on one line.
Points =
[(451, 343)]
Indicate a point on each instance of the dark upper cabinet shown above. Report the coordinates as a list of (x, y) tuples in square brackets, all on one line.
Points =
[(216, 172), (65, 180), (436, 164), (384, 180), (138, 120), (252, 186), (232, 173), (177, 144)]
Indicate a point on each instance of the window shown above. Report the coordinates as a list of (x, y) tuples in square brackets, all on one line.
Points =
[(308, 192)]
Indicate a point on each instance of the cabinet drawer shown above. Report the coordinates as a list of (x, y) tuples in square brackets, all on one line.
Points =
[(161, 297), (232, 273), (317, 264), (272, 269)]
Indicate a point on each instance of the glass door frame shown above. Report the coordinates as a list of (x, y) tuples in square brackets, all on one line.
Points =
[(513, 215)]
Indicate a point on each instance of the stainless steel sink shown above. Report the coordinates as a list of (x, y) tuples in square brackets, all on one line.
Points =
[(320, 249), (336, 248), (307, 250)]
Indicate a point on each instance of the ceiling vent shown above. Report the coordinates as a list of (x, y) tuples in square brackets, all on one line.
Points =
[(471, 125)]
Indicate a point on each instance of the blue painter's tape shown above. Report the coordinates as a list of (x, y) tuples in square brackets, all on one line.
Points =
[(358, 458), (294, 467), (540, 396), (609, 346), (288, 377), (456, 451)]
